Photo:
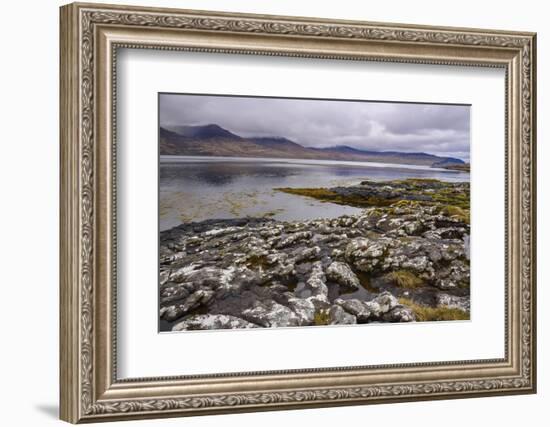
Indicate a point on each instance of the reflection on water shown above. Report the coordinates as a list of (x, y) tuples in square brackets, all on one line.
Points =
[(195, 189)]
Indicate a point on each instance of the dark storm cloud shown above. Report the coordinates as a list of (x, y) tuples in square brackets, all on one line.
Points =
[(436, 129)]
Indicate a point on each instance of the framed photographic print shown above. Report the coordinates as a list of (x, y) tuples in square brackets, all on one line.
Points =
[(265, 212)]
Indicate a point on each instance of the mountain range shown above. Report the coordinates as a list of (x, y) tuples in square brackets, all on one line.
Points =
[(213, 140)]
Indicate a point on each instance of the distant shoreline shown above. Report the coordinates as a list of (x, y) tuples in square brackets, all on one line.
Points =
[(164, 158)]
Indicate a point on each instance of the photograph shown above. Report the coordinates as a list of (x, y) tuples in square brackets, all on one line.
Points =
[(283, 199), (284, 212)]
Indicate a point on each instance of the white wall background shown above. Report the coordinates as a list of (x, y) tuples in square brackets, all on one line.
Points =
[(29, 171)]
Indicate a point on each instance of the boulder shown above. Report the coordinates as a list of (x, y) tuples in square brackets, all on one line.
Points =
[(271, 314), (212, 321), (174, 312), (367, 311), (337, 316), (341, 273), (399, 313), (454, 301)]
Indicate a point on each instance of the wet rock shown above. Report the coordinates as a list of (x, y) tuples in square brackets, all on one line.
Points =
[(342, 274), (212, 321)]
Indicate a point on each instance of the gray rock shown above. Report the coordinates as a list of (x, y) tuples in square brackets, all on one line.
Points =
[(272, 315), (316, 285), (304, 309), (212, 321), (357, 308), (174, 312), (399, 313), (342, 274), (307, 254), (293, 239), (171, 292), (369, 310), (301, 290), (381, 304), (366, 255), (446, 284), (337, 316), (453, 301), (316, 282)]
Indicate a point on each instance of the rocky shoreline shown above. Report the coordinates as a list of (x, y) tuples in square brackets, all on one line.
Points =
[(404, 258)]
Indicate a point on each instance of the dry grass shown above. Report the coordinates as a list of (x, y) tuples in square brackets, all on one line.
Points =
[(429, 314), (321, 318), (404, 279)]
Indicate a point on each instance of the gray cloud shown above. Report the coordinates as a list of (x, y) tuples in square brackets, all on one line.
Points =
[(384, 126)]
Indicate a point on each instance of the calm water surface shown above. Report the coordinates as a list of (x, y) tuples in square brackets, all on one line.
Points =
[(199, 188)]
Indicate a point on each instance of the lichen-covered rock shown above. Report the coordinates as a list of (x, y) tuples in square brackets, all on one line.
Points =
[(293, 239), (337, 316), (366, 254), (307, 254), (304, 309), (367, 311), (446, 284), (316, 282), (174, 312), (272, 315), (342, 274), (212, 321), (399, 313), (357, 249), (316, 285), (356, 308), (381, 304), (454, 301)]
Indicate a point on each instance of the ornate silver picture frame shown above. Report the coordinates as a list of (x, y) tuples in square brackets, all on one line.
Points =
[(91, 37)]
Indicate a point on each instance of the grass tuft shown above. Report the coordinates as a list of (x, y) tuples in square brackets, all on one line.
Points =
[(404, 279), (429, 314), (321, 318)]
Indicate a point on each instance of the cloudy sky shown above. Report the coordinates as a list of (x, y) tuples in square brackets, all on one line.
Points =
[(383, 126)]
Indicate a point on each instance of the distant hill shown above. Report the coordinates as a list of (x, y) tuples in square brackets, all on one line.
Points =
[(203, 132), (213, 140)]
